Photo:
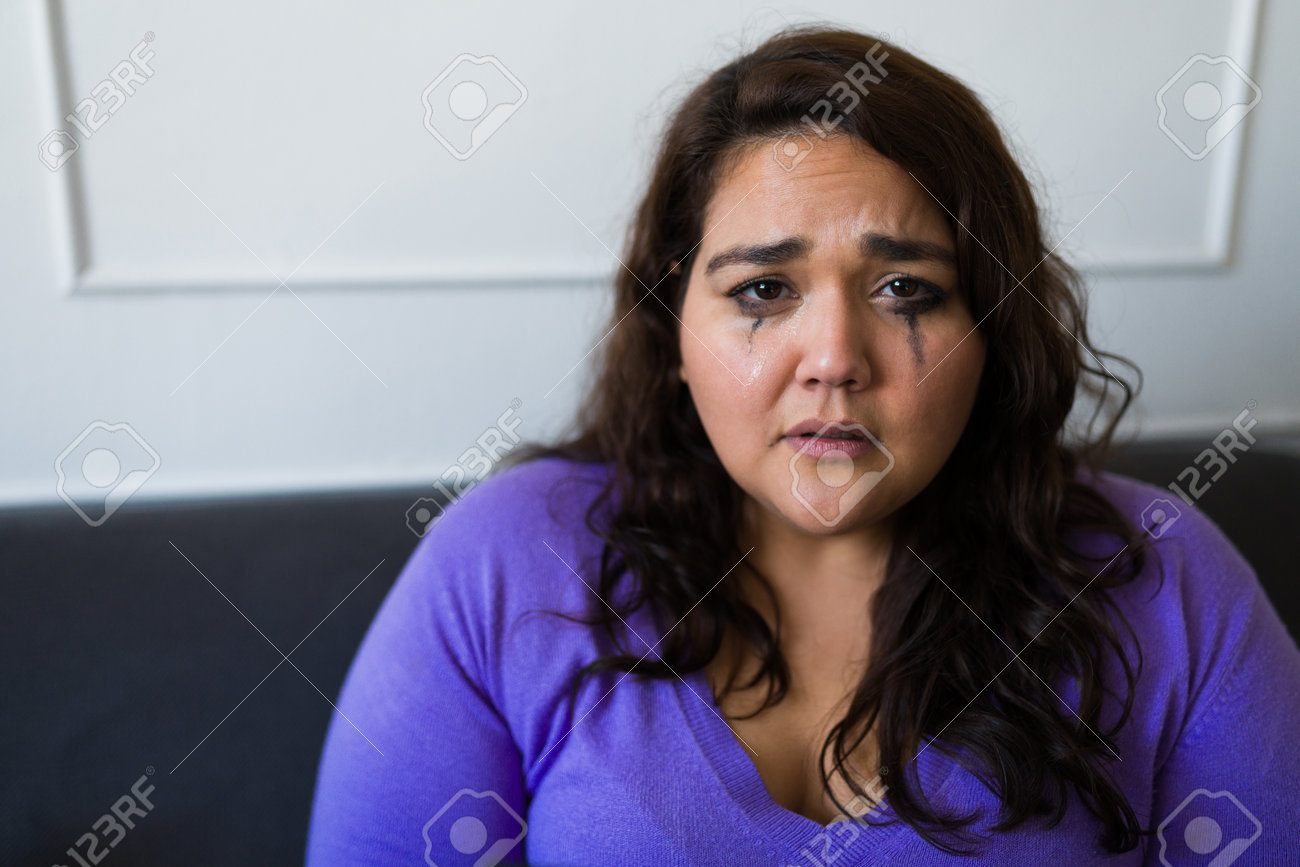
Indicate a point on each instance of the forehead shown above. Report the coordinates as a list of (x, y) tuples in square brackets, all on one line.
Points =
[(840, 189)]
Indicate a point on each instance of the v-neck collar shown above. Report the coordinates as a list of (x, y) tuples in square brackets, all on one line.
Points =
[(743, 782)]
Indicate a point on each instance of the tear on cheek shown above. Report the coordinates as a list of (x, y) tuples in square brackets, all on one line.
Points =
[(742, 358)]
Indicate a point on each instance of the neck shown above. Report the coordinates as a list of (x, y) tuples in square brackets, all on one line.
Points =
[(853, 561), (823, 584)]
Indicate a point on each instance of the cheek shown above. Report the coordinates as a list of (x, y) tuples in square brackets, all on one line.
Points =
[(945, 336), (948, 392), (765, 360), (735, 383), (751, 368), (732, 362), (935, 404)]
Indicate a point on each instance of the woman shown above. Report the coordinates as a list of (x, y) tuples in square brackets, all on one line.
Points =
[(819, 577)]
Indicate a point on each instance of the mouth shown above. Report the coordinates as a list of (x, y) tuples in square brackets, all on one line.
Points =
[(840, 435), (820, 428), (820, 437)]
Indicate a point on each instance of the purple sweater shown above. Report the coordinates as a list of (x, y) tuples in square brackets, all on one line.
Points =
[(454, 745)]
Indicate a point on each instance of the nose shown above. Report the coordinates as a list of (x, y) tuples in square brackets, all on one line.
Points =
[(833, 344)]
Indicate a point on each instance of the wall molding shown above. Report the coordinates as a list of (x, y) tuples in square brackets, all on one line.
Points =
[(1221, 211), (78, 275)]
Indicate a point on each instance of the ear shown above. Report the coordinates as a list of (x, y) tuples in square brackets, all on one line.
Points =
[(676, 263)]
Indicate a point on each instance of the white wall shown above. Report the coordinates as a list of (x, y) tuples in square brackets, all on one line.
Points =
[(136, 280)]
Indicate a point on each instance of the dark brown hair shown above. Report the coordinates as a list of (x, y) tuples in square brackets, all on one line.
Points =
[(994, 522)]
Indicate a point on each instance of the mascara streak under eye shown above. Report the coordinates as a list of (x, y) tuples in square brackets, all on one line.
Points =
[(914, 337), (915, 309), (748, 308)]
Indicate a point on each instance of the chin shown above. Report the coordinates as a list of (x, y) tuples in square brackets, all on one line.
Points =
[(827, 516)]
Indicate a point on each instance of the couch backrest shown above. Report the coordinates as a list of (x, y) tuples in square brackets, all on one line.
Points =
[(125, 653)]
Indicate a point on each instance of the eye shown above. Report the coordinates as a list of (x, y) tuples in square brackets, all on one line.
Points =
[(910, 287), (763, 289)]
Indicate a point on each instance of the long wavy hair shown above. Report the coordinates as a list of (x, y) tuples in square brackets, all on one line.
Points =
[(994, 521)]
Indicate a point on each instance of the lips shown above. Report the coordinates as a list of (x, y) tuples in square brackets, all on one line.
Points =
[(831, 439), (846, 429)]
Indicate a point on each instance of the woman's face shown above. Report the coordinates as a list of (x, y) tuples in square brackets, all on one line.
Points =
[(825, 338)]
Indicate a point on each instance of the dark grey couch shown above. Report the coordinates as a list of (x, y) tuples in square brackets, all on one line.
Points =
[(120, 663)]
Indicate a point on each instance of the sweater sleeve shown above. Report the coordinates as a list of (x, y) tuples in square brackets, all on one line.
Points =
[(418, 764), (1227, 789)]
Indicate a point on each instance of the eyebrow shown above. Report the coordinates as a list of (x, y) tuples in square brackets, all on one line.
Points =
[(872, 245)]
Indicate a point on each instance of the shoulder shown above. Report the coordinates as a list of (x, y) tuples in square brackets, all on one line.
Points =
[(1197, 609), (1188, 548), (513, 523), (1193, 577), (1218, 669), (539, 495), (496, 579), (516, 543)]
